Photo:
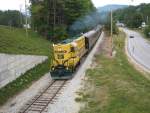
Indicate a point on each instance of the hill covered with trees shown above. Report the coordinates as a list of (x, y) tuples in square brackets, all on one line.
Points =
[(113, 7)]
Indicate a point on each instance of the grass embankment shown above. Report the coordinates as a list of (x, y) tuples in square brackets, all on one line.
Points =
[(13, 41), (115, 86)]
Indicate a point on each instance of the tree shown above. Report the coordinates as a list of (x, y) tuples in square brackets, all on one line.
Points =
[(135, 20), (77, 8), (108, 25), (147, 31), (133, 16), (11, 18)]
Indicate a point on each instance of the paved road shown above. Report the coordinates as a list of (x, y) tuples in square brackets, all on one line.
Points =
[(138, 48)]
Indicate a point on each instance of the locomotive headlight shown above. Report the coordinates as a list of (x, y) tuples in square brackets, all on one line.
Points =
[(74, 44), (67, 68), (53, 68)]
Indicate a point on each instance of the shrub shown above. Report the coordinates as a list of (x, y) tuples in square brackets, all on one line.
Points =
[(108, 27), (147, 31)]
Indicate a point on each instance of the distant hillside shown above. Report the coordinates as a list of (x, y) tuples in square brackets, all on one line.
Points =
[(104, 11), (14, 41), (108, 8)]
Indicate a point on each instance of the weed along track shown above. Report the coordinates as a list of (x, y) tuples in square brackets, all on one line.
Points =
[(40, 102)]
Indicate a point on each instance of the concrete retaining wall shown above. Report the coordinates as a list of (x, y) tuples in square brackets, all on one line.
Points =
[(12, 66)]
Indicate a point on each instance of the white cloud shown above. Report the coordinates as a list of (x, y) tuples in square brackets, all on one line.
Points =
[(98, 3), (12, 4)]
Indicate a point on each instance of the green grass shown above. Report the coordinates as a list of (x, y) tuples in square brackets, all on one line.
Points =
[(14, 41), (115, 86), (23, 82)]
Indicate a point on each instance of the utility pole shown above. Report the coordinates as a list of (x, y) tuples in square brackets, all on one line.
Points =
[(56, 15), (52, 17), (20, 16), (111, 24), (111, 32), (147, 19), (26, 27)]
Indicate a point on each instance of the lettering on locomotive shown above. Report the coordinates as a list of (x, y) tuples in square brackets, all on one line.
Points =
[(62, 51)]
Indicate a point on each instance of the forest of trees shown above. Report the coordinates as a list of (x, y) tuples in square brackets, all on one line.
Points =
[(133, 16), (55, 18), (11, 18)]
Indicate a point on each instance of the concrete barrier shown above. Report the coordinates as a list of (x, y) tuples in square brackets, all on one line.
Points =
[(13, 66)]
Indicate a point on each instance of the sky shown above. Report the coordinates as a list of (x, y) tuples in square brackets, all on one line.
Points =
[(13, 4), (99, 3), (17, 4)]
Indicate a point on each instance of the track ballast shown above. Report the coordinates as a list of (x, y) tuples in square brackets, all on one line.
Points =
[(40, 102)]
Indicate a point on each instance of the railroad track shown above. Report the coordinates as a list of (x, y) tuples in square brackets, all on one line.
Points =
[(40, 102)]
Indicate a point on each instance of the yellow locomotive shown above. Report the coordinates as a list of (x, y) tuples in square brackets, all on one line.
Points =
[(68, 54)]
